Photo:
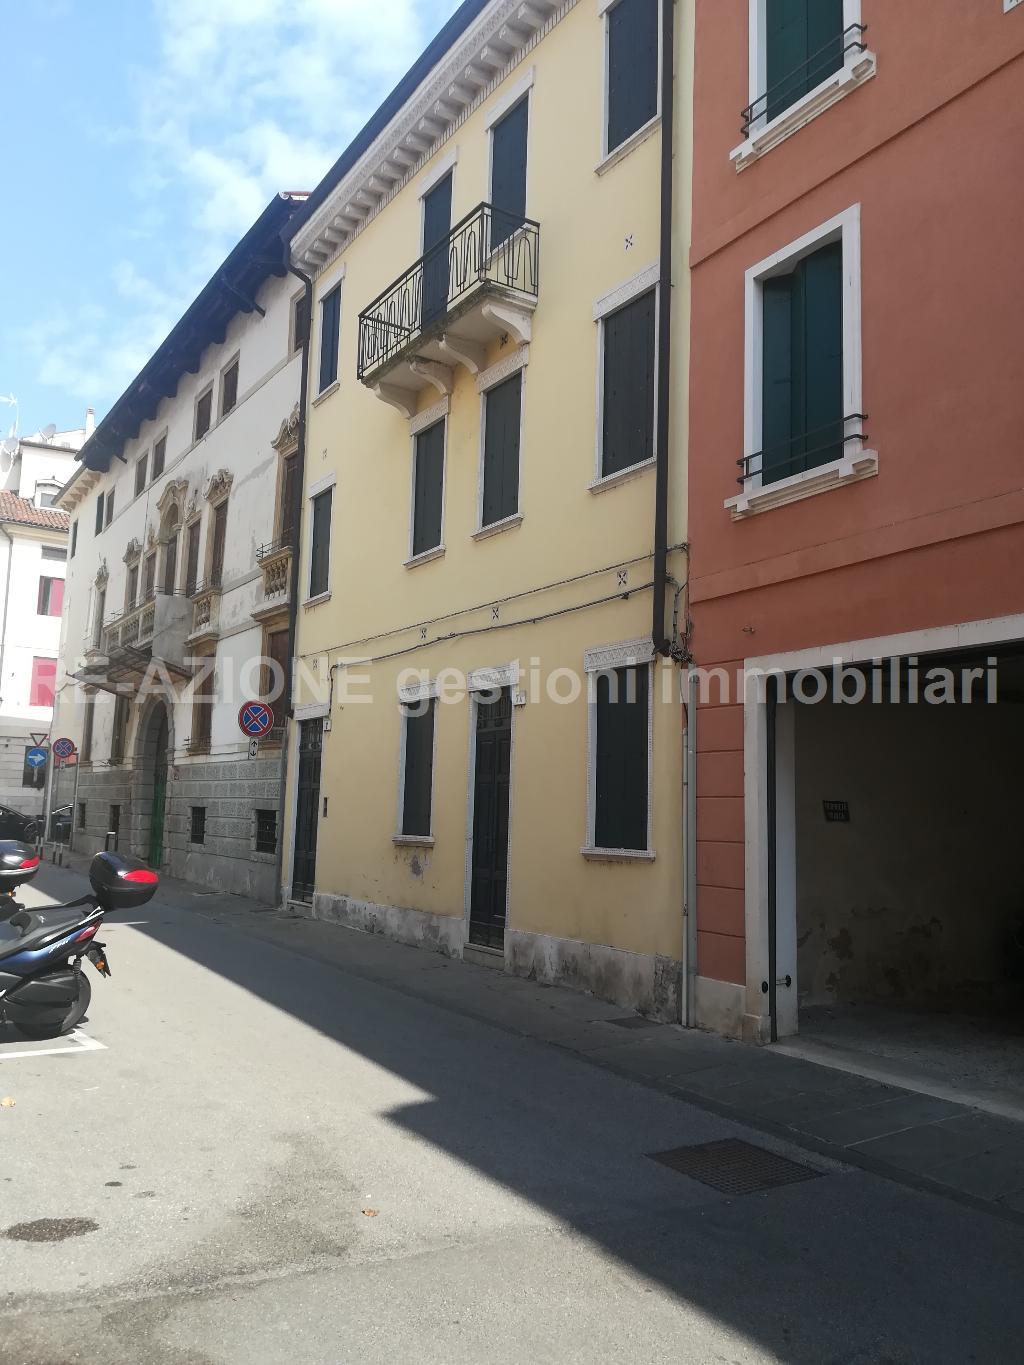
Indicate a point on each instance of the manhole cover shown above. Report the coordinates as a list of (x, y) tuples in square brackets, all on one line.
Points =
[(734, 1167), (634, 1021)]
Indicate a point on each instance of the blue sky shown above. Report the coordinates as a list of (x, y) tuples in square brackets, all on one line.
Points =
[(139, 140)]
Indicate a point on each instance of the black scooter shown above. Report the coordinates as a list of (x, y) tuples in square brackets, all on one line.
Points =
[(43, 990)]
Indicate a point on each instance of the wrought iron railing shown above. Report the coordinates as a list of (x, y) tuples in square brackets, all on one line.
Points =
[(489, 248), (811, 72), (273, 547), (784, 458), (205, 585)]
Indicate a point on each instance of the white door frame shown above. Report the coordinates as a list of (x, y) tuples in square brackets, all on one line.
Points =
[(993, 631)]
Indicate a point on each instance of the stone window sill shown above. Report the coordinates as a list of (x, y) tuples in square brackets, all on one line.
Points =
[(496, 527), (316, 601), (815, 102), (326, 393), (622, 476), (413, 840), (424, 557), (836, 474), (617, 855), (623, 150)]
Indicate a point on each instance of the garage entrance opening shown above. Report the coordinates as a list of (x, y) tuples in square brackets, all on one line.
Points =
[(902, 807)]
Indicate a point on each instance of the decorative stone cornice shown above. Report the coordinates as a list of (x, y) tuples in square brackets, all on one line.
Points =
[(286, 442), (490, 48), (626, 654), (219, 486), (174, 491), (133, 551)]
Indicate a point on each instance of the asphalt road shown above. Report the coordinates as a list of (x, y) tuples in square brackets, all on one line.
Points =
[(272, 1160)]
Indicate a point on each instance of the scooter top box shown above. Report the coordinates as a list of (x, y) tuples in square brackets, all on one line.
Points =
[(121, 883)]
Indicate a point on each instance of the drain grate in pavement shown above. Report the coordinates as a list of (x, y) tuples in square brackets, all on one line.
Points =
[(634, 1021), (734, 1167)]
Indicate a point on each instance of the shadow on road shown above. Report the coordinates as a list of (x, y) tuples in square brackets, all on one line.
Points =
[(844, 1268)]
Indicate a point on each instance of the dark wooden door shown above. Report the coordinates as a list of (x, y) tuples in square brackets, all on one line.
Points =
[(508, 173), (490, 820), (171, 564), (307, 809), (220, 530), (437, 224)]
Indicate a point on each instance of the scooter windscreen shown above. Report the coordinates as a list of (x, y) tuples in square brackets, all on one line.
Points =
[(121, 883), (18, 864)]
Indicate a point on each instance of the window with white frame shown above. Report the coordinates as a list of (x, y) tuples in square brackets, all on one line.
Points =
[(320, 542), (428, 447), (417, 775), (620, 687), (803, 56), (628, 346), (501, 440), (803, 400), (631, 68), (204, 413), (330, 337)]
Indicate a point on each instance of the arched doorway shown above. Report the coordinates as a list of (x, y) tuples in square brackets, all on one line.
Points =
[(152, 761)]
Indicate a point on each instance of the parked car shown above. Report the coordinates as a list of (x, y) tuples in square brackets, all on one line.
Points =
[(60, 824), (15, 825)]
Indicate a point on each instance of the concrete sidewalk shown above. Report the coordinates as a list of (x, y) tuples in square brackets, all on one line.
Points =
[(921, 1139)]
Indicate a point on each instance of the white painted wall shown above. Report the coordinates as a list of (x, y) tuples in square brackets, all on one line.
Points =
[(268, 390), (24, 634)]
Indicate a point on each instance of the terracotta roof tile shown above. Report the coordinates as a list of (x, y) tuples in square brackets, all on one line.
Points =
[(25, 513)]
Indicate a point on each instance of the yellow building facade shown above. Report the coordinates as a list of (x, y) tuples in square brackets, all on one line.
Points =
[(487, 745)]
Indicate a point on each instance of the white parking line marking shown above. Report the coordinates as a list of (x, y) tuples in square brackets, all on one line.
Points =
[(81, 1042)]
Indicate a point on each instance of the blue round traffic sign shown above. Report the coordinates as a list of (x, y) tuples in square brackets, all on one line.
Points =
[(36, 758), (255, 718), (63, 748)]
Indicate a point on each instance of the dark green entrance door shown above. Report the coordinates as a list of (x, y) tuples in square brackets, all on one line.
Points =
[(307, 809), (156, 825), (490, 820)]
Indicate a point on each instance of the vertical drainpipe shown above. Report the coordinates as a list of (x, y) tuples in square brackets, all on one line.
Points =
[(293, 593), (662, 644)]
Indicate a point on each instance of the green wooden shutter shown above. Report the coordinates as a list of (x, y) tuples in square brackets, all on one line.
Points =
[(419, 764), (320, 544), (777, 378), (508, 172), (632, 67), (330, 324), (437, 225), (428, 489), (503, 410), (621, 759), (821, 299), (802, 366), (628, 417), (824, 40), (804, 45)]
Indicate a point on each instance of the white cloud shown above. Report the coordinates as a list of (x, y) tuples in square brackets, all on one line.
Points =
[(243, 98)]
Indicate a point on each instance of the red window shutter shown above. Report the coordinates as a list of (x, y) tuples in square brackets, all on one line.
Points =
[(44, 677), (56, 596)]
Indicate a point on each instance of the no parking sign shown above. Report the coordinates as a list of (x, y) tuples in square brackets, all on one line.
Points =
[(255, 719)]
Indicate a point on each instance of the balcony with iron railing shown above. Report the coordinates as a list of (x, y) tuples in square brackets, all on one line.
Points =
[(794, 97), (275, 563), (205, 597), (477, 285), (153, 628)]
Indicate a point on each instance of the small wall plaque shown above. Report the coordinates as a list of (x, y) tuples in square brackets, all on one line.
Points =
[(837, 812)]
